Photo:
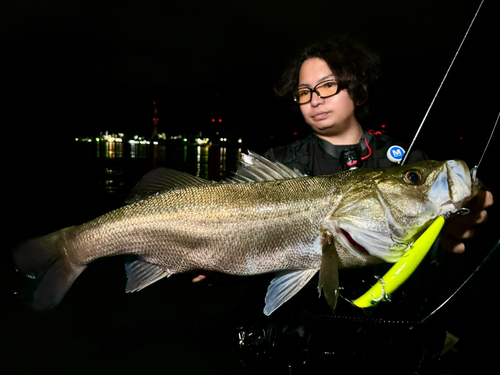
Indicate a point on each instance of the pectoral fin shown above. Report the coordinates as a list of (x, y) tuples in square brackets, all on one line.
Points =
[(284, 286), (329, 272)]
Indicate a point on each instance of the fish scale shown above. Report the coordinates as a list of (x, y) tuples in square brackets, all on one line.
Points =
[(208, 220)]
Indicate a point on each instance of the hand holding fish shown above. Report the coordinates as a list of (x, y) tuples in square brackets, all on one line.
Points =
[(461, 227)]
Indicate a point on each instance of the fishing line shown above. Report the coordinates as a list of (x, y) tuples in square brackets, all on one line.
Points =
[(489, 140), (492, 251), (442, 82), (473, 172)]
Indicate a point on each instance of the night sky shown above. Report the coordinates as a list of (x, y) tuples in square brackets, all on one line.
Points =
[(85, 67)]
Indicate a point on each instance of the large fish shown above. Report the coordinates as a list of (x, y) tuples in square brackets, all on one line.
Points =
[(286, 222)]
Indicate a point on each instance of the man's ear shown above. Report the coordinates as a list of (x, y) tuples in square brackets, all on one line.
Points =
[(362, 101)]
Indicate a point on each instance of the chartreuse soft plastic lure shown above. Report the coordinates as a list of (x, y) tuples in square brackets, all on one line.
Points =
[(403, 268)]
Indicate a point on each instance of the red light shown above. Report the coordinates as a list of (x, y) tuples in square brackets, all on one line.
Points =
[(383, 126), (461, 138), (154, 102), (213, 120), (294, 133), (220, 120)]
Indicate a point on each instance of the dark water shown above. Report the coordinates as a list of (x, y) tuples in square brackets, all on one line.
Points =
[(173, 326)]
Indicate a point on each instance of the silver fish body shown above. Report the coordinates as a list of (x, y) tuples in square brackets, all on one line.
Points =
[(296, 225)]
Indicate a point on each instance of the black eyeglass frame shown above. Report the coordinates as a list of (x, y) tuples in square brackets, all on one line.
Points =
[(340, 86)]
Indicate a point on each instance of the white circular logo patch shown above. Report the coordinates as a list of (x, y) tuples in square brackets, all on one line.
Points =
[(395, 154)]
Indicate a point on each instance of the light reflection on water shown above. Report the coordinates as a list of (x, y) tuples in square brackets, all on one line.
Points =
[(117, 166)]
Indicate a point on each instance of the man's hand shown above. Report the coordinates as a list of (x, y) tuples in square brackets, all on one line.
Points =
[(200, 277), (459, 228), (210, 277)]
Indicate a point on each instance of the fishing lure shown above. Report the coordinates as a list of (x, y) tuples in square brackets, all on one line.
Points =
[(405, 267)]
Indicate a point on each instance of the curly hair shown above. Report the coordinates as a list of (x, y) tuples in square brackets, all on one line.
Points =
[(349, 61)]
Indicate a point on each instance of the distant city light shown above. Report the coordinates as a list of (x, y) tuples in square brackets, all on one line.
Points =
[(202, 141), (159, 138)]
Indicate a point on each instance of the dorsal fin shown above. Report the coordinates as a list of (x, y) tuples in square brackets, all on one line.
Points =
[(159, 180), (255, 168), (251, 168)]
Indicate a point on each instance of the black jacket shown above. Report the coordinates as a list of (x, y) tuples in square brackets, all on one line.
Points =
[(314, 156)]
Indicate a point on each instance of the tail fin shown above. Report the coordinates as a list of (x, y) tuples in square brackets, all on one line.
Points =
[(44, 260)]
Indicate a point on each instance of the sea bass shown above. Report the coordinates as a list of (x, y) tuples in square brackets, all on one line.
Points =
[(286, 222)]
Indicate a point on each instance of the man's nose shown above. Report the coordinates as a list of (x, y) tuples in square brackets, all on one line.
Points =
[(316, 99)]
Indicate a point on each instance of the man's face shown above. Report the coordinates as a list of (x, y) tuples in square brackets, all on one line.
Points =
[(331, 116)]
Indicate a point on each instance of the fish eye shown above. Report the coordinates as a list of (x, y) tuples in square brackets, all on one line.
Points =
[(413, 177)]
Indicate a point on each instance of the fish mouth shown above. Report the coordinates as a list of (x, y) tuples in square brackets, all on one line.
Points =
[(452, 188)]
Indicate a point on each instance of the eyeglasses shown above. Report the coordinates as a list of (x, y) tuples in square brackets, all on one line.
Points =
[(323, 90)]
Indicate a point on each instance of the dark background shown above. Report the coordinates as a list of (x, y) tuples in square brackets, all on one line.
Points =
[(78, 68)]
